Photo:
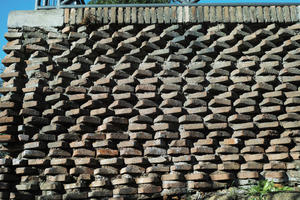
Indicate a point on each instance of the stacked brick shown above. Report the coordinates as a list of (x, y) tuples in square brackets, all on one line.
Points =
[(146, 111)]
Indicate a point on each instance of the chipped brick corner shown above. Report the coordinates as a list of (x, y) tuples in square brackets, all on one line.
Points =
[(146, 103)]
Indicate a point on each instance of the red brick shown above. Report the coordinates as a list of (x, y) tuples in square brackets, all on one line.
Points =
[(83, 152), (76, 171), (172, 177), (125, 152), (195, 176), (232, 141), (104, 152), (7, 138), (80, 144), (206, 142)]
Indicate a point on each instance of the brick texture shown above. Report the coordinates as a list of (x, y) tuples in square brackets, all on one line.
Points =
[(153, 107)]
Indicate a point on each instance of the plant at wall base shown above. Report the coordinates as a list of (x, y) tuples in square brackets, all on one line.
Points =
[(259, 191)]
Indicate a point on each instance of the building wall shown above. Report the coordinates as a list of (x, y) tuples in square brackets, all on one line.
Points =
[(146, 103)]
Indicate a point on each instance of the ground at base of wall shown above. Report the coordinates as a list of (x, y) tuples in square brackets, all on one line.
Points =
[(234, 193)]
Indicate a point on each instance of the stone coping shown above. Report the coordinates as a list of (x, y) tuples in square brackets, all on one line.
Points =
[(157, 15)]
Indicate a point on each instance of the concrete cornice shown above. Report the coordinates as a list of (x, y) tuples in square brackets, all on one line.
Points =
[(36, 18)]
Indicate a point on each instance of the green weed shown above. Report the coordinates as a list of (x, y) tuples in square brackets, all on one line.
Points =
[(259, 191)]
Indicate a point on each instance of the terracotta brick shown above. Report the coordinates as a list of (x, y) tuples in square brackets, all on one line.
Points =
[(172, 177), (228, 166), (278, 156), (277, 149), (7, 138), (149, 189), (232, 157), (248, 175), (206, 142), (124, 152), (125, 191), (275, 175), (232, 141), (195, 176), (180, 143), (178, 151), (80, 144), (121, 181), (205, 166), (136, 161), (199, 185), (282, 141), (202, 150), (221, 176), (173, 184), (275, 166), (227, 150), (61, 161), (154, 151), (254, 157), (132, 169), (147, 179), (252, 166), (106, 152), (254, 142), (58, 153), (253, 149), (83, 152), (139, 114)]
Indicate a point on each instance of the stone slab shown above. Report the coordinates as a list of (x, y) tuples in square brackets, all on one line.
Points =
[(298, 13), (36, 18)]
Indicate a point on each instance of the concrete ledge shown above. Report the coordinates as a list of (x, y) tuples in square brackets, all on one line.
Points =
[(36, 18)]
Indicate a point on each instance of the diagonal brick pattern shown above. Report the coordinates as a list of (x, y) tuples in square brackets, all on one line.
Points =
[(146, 111)]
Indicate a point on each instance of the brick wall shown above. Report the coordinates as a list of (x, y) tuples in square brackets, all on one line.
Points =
[(142, 103), (185, 14)]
